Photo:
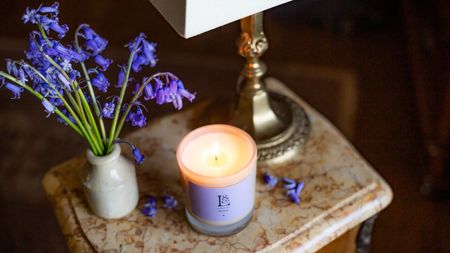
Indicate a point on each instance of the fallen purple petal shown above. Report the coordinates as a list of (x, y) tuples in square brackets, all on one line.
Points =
[(269, 180)]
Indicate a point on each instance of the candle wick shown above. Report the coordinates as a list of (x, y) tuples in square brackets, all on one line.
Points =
[(216, 158)]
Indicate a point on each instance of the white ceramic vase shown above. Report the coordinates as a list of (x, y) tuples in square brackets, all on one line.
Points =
[(110, 184)]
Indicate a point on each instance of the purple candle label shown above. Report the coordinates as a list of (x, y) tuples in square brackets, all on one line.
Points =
[(229, 203)]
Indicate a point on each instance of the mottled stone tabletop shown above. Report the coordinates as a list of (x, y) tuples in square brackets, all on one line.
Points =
[(341, 191)]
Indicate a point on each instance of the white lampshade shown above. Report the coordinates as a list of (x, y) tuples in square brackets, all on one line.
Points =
[(192, 17)]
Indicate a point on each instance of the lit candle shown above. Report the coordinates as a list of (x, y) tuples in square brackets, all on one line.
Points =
[(218, 168)]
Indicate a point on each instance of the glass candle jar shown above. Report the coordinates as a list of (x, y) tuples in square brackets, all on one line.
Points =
[(218, 170)]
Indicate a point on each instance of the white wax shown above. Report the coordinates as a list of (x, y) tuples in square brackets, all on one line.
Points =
[(201, 156)]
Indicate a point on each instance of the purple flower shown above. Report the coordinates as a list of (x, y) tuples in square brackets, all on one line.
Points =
[(55, 101), (138, 62), (185, 93), (52, 23), (50, 9), (11, 67), (22, 77), (61, 30), (149, 52), (63, 80), (121, 78), (169, 202), (269, 180), (289, 183), (60, 120), (173, 92), (145, 53), (102, 61), (66, 53), (32, 15), (150, 208), (33, 52), (108, 110), (138, 156), (94, 42), (101, 82), (148, 91), (137, 118), (162, 96), (294, 193), (16, 90), (49, 107)]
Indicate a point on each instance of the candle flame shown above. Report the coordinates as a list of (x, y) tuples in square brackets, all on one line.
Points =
[(215, 150)]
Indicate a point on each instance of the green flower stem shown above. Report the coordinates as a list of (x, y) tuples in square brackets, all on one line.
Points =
[(93, 123), (60, 96), (82, 123), (113, 132), (95, 137), (82, 103), (41, 97), (79, 106), (94, 102), (91, 90), (133, 100)]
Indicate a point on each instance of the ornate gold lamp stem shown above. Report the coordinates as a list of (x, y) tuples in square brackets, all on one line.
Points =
[(253, 112), (278, 124)]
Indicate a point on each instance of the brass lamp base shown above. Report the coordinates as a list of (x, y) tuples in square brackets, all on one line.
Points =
[(284, 146), (278, 124), (275, 149)]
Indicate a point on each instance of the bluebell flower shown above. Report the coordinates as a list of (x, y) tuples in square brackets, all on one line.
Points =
[(149, 51), (61, 30), (22, 77), (11, 68), (289, 183), (60, 120), (108, 110), (101, 82), (74, 74), (53, 9), (150, 208), (33, 53), (183, 92), (49, 107), (173, 93), (169, 202), (148, 92), (66, 53), (30, 16), (102, 62), (145, 53), (294, 193), (121, 77), (63, 80), (55, 101), (136, 43), (136, 88), (94, 42), (52, 23), (137, 118), (138, 62), (162, 95), (16, 90), (269, 180), (138, 156)]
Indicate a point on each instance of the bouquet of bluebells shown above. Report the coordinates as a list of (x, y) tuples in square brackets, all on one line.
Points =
[(67, 78)]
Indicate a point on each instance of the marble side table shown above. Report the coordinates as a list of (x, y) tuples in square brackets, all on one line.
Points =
[(342, 195)]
